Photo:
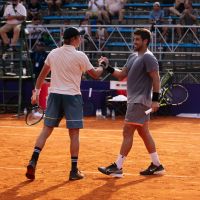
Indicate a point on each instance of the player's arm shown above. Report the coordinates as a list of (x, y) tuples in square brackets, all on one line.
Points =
[(44, 72), (117, 73), (120, 74), (156, 89), (95, 72)]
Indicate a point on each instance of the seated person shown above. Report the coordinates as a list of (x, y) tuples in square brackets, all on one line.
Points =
[(34, 30), (83, 27), (38, 56), (34, 9), (178, 7), (54, 5), (101, 34), (96, 8), (14, 14), (188, 17), (115, 8), (157, 18)]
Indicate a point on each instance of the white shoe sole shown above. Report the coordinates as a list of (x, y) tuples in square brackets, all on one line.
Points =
[(116, 175), (162, 172)]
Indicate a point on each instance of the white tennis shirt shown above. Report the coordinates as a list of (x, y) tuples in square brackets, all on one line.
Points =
[(67, 66), (18, 10)]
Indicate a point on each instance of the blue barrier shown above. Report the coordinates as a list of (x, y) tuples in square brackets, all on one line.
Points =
[(184, 45), (100, 89), (81, 17), (128, 5)]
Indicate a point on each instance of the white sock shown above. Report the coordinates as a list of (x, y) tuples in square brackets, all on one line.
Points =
[(120, 160), (155, 158)]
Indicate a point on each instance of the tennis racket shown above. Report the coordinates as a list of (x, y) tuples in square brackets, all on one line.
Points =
[(174, 95), (34, 115)]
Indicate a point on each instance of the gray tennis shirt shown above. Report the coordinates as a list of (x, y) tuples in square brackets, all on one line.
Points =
[(139, 83)]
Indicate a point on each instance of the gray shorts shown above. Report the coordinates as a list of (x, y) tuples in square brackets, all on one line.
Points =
[(135, 114), (70, 106)]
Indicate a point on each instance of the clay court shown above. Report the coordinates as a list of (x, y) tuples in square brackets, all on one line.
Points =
[(177, 143)]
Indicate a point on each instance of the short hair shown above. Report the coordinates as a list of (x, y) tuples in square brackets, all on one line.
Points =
[(68, 41), (144, 33)]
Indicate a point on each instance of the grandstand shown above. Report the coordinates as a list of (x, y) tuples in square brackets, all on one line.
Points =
[(170, 53), (120, 39), (182, 57)]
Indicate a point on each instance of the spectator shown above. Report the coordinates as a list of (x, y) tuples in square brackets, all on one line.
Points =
[(188, 17), (34, 30), (101, 34), (38, 56), (34, 8), (157, 18), (178, 7), (115, 8), (15, 14), (54, 4), (83, 26), (96, 8)]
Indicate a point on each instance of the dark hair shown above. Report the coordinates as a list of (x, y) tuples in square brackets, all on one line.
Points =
[(69, 40), (144, 33)]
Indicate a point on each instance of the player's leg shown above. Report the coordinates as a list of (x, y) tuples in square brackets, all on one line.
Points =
[(135, 116), (115, 169), (74, 116), (53, 115), (40, 142), (155, 167), (75, 174)]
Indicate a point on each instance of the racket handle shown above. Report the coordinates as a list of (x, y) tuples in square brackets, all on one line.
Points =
[(148, 111)]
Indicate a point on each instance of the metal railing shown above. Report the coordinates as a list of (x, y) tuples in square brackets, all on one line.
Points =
[(123, 34), (182, 56)]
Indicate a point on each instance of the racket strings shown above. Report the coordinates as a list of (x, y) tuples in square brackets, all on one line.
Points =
[(175, 95), (34, 116)]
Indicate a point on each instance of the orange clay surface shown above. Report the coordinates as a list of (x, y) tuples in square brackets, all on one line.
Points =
[(177, 141)]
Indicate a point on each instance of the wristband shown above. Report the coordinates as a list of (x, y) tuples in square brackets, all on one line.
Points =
[(110, 69), (155, 96), (37, 91)]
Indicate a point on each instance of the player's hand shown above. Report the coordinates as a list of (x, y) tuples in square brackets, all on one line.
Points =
[(155, 106), (103, 62), (35, 98)]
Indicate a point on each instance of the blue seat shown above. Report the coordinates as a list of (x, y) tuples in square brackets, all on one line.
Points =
[(118, 44), (75, 5), (110, 29), (128, 5), (147, 17), (184, 45), (149, 5), (146, 5), (64, 17)]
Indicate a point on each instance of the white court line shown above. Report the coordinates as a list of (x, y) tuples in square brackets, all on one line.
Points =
[(89, 129), (90, 172), (61, 136), (62, 128)]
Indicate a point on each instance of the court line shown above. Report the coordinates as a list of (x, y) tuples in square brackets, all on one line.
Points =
[(89, 129), (61, 136), (92, 172), (96, 137)]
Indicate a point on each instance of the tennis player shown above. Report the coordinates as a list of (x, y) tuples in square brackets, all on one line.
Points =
[(67, 66), (142, 72)]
